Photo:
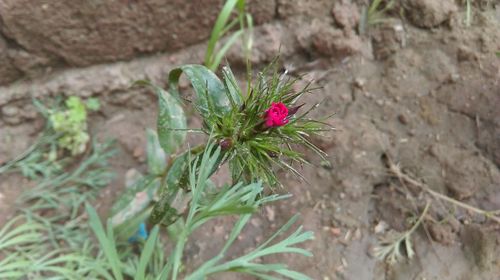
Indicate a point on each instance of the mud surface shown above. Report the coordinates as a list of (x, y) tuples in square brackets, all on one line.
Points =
[(422, 90)]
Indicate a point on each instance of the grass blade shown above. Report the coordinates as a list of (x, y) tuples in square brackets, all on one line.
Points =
[(106, 244), (147, 253)]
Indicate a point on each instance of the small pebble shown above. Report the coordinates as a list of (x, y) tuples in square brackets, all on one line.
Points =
[(359, 83), (335, 231), (10, 111), (270, 214), (402, 119), (380, 227)]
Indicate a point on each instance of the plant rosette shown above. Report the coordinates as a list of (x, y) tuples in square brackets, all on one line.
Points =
[(257, 131)]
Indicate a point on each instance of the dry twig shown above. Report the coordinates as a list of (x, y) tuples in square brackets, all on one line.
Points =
[(394, 169)]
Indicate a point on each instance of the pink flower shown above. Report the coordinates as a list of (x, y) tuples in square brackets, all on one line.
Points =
[(276, 115)]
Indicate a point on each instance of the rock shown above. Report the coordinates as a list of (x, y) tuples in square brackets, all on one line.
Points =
[(329, 41), (346, 14), (10, 111), (466, 54), (269, 40), (442, 233), (429, 13), (298, 8), (388, 38), (29, 112), (68, 33), (402, 119), (270, 213), (380, 227), (8, 72)]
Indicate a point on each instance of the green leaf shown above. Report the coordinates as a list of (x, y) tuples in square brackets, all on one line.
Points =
[(156, 157), (107, 242), (171, 122), (147, 253), (220, 28), (11, 235), (76, 112), (171, 196), (233, 91), (135, 199), (208, 88)]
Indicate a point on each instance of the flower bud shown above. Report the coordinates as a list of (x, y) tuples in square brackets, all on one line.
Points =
[(226, 144)]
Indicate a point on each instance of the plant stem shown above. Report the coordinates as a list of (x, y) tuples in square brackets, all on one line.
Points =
[(178, 252), (420, 219), (402, 176)]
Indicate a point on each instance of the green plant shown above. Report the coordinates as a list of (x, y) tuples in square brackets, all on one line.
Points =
[(71, 123), (65, 130), (255, 132), (374, 14), (38, 160), (394, 243), (237, 123), (207, 203), (222, 26), (51, 239)]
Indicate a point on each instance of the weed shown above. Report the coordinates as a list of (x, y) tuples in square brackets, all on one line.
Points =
[(222, 26), (38, 160), (392, 245), (65, 130), (71, 123), (50, 240), (374, 14)]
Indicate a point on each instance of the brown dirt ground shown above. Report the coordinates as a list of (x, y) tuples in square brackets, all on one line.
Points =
[(427, 98)]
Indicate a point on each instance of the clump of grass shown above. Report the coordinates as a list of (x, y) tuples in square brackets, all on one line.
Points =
[(49, 237), (38, 160), (223, 25), (376, 13)]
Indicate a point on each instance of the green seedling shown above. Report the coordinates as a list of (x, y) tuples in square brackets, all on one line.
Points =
[(393, 245), (71, 124), (376, 13), (223, 25)]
